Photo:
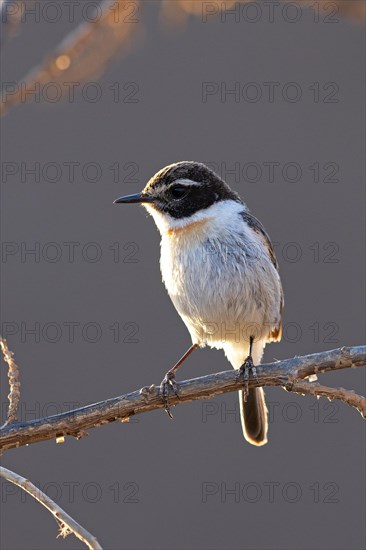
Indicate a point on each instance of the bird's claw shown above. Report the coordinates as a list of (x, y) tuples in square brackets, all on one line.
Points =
[(168, 381), (245, 371)]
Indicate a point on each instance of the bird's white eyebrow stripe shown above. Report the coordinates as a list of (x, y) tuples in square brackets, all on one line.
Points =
[(185, 181)]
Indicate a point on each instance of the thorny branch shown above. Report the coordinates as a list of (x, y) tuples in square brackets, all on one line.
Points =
[(14, 383), (289, 374), (66, 523)]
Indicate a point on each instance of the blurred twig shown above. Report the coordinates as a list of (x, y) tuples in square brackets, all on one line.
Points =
[(354, 9), (87, 51), (14, 383), (348, 8), (10, 17), (66, 523), (289, 373), (84, 53)]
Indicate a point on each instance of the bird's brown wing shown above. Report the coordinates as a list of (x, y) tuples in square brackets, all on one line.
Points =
[(276, 333)]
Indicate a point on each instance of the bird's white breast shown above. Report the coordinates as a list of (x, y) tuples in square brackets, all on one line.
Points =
[(218, 275)]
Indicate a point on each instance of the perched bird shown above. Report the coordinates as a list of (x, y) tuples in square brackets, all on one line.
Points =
[(220, 271)]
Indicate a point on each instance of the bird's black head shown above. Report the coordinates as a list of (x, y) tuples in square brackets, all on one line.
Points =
[(182, 189)]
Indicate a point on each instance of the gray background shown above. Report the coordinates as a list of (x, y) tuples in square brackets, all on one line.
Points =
[(144, 485)]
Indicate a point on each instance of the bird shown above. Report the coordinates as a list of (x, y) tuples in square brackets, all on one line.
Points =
[(220, 271)]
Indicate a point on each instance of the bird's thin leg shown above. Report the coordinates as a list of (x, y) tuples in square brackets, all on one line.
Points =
[(169, 380), (248, 368)]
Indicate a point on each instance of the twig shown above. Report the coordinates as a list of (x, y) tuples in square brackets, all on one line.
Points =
[(85, 53), (66, 523), (326, 11), (14, 383), (317, 390), (287, 373), (329, 11)]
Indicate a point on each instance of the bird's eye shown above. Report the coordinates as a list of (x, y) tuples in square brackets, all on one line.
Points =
[(178, 191)]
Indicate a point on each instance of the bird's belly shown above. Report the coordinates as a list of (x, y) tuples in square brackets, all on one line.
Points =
[(220, 297)]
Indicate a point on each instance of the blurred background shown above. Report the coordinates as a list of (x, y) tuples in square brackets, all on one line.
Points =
[(96, 98)]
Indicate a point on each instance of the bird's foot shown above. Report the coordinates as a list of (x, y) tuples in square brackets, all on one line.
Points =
[(168, 382), (245, 371)]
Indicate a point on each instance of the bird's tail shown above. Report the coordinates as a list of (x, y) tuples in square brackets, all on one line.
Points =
[(253, 413)]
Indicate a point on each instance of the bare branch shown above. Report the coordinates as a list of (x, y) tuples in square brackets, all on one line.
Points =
[(66, 523), (14, 383), (317, 390), (287, 373)]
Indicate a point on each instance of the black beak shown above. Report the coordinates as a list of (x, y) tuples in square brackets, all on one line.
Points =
[(138, 197)]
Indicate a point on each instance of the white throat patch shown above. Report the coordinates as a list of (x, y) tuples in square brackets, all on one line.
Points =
[(220, 212)]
